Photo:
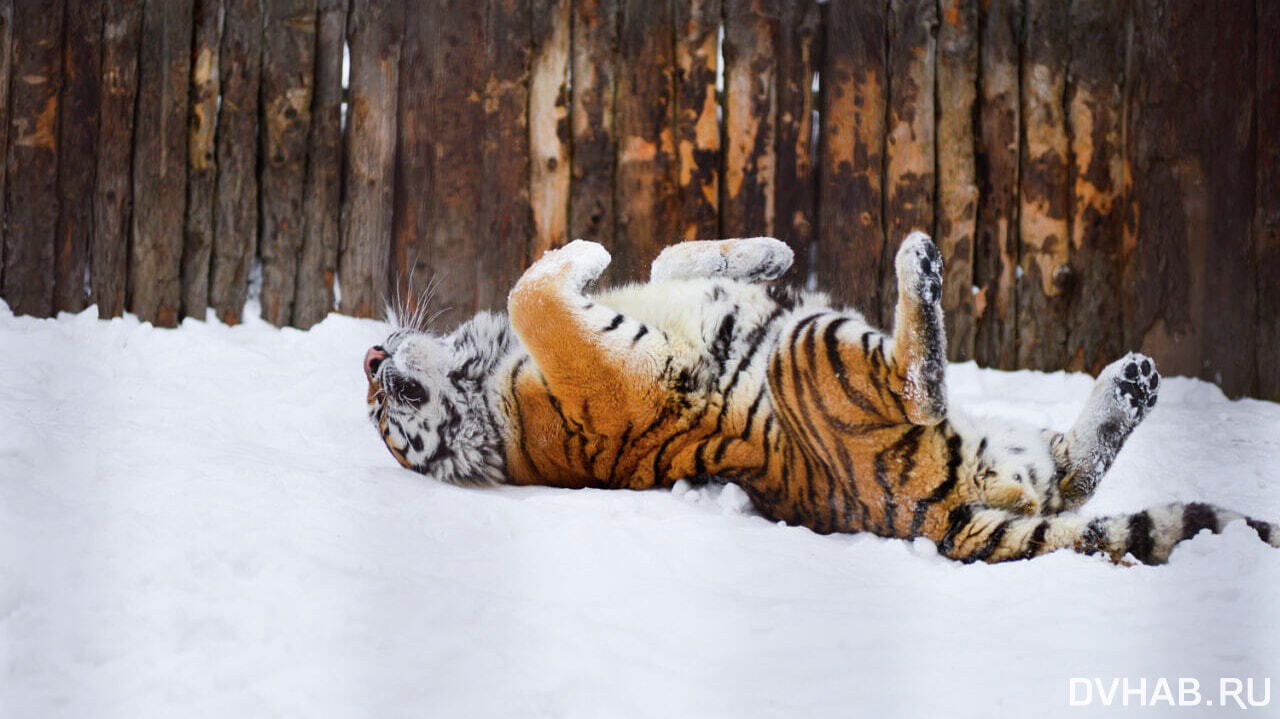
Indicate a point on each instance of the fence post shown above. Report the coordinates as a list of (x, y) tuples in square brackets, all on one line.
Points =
[(799, 52), (750, 118), (591, 117), (549, 125), (1267, 213), (697, 126), (202, 170)]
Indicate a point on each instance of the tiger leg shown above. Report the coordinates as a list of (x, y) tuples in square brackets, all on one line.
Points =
[(574, 341), (992, 535), (1124, 393), (753, 259), (919, 341)]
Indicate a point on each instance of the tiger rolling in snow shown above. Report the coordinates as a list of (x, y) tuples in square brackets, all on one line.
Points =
[(708, 370)]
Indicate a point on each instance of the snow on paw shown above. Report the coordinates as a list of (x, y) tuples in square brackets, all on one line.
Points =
[(577, 263), (1136, 383), (919, 267), (757, 259), (750, 260)]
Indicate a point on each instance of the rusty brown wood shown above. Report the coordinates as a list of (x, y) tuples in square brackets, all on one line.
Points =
[(697, 124), (1045, 288), (799, 51), (505, 246), (112, 185), (910, 167), (957, 208), (235, 220), (202, 171), (288, 73), (6, 62), (31, 185), (375, 33), (549, 136), (77, 140), (322, 193), (1095, 112), (851, 241), (646, 186), (999, 122), (595, 45), (750, 118)]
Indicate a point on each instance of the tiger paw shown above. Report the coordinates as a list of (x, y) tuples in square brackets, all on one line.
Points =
[(575, 264), (919, 267), (1011, 495), (1135, 384), (752, 259)]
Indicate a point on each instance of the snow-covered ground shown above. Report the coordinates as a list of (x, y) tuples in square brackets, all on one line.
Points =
[(201, 522)]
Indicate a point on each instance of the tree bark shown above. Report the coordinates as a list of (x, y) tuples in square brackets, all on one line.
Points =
[(549, 125), (697, 125), (799, 52), (78, 136), (202, 169), (750, 118), (595, 151)]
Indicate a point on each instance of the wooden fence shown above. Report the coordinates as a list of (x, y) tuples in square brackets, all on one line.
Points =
[(1101, 175)]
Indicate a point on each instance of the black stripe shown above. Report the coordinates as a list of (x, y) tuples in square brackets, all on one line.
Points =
[(993, 541), (942, 490), (1263, 529), (882, 479), (1141, 544), (1036, 543), (832, 346), (617, 321), (957, 519), (643, 331), (1094, 538), (1197, 516)]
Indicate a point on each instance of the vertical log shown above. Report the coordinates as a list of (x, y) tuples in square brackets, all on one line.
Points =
[(995, 304), (322, 193), (160, 163), (374, 35), (31, 190), (1267, 213), (113, 176), (411, 221), (549, 125), (1044, 289), (77, 138), (910, 168), (235, 220), (697, 125), (1194, 172), (6, 63), (851, 242), (799, 49), (201, 167), (646, 186), (750, 117), (288, 67), (505, 195), (957, 209), (453, 246), (1095, 112), (595, 45)]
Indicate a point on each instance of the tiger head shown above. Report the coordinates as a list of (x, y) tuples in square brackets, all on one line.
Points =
[(430, 398)]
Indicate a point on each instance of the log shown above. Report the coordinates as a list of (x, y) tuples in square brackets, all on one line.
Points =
[(1047, 284), (77, 138), (957, 208), (457, 176), (799, 49), (549, 126), (31, 188), (112, 183), (999, 122), (288, 71), (1267, 192), (909, 179), (647, 191), (6, 62), (851, 241), (750, 118), (595, 151), (235, 221), (160, 163), (414, 157), (322, 193), (505, 247), (1193, 164), (375, 32), (1095, 112), (202, 170), (697, 126)]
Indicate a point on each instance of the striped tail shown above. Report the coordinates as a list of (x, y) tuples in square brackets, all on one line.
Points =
[(994, 535)]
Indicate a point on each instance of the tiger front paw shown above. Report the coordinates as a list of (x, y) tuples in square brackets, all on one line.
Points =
[(575, 265), (919, 267), (1135, 384)]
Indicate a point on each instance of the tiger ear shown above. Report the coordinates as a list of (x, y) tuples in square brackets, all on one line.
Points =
[(481, 342)]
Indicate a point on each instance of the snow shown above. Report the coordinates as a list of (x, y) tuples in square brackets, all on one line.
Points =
[(201, 522)]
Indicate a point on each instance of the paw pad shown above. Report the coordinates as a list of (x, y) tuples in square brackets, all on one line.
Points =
[(919, 266), (1138, 383)]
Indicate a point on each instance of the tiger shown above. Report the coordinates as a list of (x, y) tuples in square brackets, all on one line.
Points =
[(713, 371)]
